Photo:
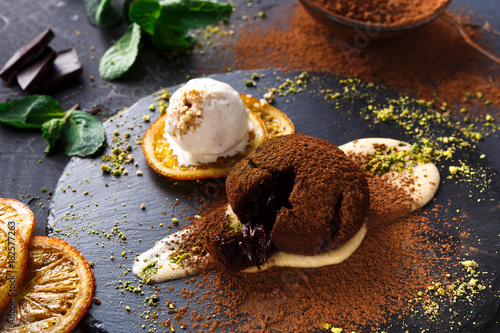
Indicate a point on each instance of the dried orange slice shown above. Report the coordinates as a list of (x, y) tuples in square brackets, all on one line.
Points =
[(57, 289), (160, 158), (277, 123), (13, 258), (12, 210)]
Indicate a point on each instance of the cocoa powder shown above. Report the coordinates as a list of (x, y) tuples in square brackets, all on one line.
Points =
[(432, 62), (364, 292), (375, 286), (384, 12)]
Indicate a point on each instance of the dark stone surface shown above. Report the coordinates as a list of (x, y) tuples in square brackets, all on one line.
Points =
[(25, 170), (93, 203)]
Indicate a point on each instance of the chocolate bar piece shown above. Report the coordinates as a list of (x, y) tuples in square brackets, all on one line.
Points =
[(31, 76), (24, 55), (66, 65)]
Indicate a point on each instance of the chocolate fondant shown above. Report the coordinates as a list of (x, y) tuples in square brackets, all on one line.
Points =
[(304, 191)]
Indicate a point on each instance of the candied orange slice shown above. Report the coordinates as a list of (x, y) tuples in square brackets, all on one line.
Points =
[(12, 210), (276, 122), (57, 289), (13, 258), (160, 158)]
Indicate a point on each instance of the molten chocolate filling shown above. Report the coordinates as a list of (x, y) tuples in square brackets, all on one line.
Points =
[(252, 245)]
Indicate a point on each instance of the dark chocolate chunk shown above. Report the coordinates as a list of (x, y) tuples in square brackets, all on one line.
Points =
[(24, 55), (66, 65), (31, 76), (238, 250)]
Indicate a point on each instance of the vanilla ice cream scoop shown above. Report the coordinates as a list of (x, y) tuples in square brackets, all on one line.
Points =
[(206, 119)]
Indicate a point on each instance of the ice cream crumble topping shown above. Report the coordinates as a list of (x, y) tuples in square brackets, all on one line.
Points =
[(189, 114)]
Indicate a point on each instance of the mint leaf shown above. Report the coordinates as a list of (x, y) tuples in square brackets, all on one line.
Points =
[(103, 13), (121, 55), (83, 134), (192, 14), (50, 130), (145, 13), (30, 111)]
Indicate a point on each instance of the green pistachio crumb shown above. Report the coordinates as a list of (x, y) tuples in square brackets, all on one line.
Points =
[(453, 169), (105, 168), (249, 83)]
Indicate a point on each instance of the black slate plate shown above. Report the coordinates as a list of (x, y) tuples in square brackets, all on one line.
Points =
[(91, 210)]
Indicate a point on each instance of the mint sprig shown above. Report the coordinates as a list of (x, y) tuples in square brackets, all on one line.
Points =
[(82, 134), (167, 22)]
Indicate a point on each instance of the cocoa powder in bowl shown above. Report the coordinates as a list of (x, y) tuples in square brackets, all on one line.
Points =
[(384, 13)]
